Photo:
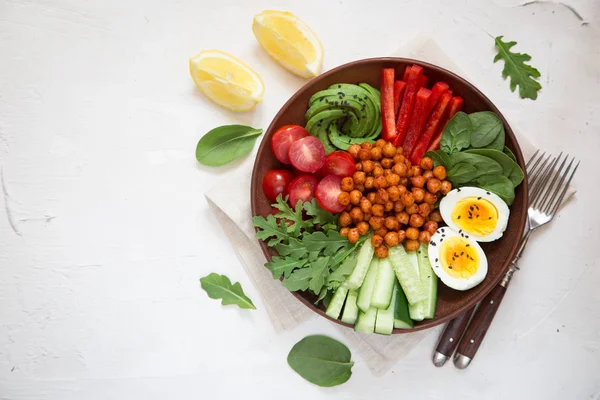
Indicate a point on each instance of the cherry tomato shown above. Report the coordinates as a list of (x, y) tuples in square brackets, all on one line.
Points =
[(327, 193), (302, 188), (337, 163), (283, 138), (276, 181), (307, 154)]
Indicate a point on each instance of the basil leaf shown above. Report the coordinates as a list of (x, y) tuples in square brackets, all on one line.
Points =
[(457, 133), (510, 168), (483, 165), (461, 173), (321, 360), (220, 287), (439, 157), (225, 144), (486, 128), (509, 153), (498, 184)]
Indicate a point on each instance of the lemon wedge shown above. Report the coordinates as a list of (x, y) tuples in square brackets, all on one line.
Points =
[(226, 80), (289, 41)]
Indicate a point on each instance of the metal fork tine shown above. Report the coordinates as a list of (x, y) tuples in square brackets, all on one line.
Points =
[(539, 174), (533, 176), (532, 172), (564, 191), (537, 192), (532, 158), (551, 188), (562, 174), (544, 187)]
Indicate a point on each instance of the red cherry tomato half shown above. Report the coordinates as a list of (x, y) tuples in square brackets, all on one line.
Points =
[(283, 138), (302, 188), (307, 154), (338, 163), (327, 194), (276, 181)]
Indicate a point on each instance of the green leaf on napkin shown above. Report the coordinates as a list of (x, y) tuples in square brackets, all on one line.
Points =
[(220, 287), (521, 74)]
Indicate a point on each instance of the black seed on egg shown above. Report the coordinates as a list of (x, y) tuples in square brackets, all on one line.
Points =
[(479, 198), (487, 193), (458, 217), (468, 245)]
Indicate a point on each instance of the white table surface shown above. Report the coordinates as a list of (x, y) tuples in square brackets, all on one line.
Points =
[(104, 229)]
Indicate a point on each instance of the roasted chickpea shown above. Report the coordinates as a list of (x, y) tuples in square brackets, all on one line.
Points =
[(368, 166), (381, 251), (424, 237), (418, 181), (391, 239), (353, 235), (358, 166), (364, 155), (358, 178), (381, 231), (403, 217), (415, 171), (424, 209), (411, 245), (418, 194), (348, 182), (349, 207), (387, 162), (376, 240), (412, 209), (393, 193), (398, 158), (392, 179), (362, 227), (355, 197), (391, 223), (426, 163), (344, 231), (400, 150), (389, 150), (387, 172), (371, 197), (434, 185), (344, 198), (401, 236), (357, 215), (446, 187), (400, 169), (376, 222), (412, 233), (360, 187), (435, 216), (404, 181), (430, 198), (353, 150), (408, 199), (376, 153), (377, 171), (377, 210), (428, 175), (398, 206), (388, 206), (368, 216), (402, 189), (380, 143), (440, 172), (416, 221), (380, 182), (366, 146), (430, 226), (365, 205), (344, 219), (369, 182), (383, 194)]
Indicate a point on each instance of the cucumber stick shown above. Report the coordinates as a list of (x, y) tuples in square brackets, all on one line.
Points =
[(430, 280), (365, 293), (337, 302), (351, 308), (366, 321), (365, 255), (402, 318), (406, 267), (384, 323), (384, 285)]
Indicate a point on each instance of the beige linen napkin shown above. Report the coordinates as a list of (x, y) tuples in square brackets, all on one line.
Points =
[(232, 208)]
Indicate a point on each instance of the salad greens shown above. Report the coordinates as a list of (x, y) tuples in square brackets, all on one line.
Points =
[(220, 287), (472, 150), (225, 144), (321, 360), (521, 74)]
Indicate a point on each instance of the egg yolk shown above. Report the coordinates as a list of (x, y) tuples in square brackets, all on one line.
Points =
[(458, 257), (475, 215)]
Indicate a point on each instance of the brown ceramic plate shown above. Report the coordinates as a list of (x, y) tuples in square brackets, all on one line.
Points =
[(499, 253)]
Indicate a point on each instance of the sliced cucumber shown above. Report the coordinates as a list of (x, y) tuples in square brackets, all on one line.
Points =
[(384, 285), (401, 315), (429, 280), (384, 324), (417, 310), (406, 267), (365, 254), (366, 321), (337, 302), (365, 293), (350, 309)]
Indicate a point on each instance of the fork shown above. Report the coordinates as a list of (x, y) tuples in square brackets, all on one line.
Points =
[(548, 187)]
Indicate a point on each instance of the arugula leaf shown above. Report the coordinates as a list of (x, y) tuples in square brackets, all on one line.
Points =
[(284, 266), (328, 243), (299, 279), (294, 216), (269, 228), (295, 248), (337, 277), (321, 360), (520, 73), (319, 274), (457, 133), (220, 287), (320, 216)]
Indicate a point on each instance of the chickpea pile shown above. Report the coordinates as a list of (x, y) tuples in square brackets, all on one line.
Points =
[(391, 196)]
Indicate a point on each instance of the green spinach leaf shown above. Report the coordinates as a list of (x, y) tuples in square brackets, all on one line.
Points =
[(439, 157), (498, 143), (498, 184), (220, 287), (457, 133), (483, 165), (321, 360), (509, 153), (486, 128), (510, 168), (461, 173), (225, 144)]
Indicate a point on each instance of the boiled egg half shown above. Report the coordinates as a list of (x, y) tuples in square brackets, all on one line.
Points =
[(480, 214), (458, 261)]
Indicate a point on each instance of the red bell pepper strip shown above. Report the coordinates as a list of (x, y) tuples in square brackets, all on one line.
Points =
[(456, 104), (423, 81), (388, 115), (399, 87), (406, 73), (417, 121), (431, 127), (408, 103), (436, 93)]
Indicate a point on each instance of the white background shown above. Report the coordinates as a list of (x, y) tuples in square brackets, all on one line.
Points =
[(104, 229)]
